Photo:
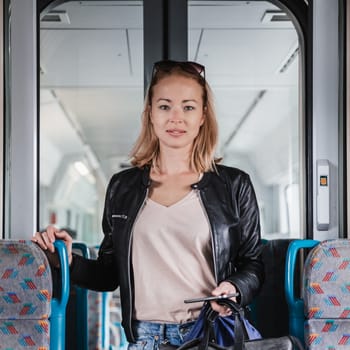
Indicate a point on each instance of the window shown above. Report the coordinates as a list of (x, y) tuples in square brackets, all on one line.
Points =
[(91, 97), (251, 53)]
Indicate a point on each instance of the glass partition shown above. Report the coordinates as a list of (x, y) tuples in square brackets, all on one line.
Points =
[(91, 97), (91, 63), (251, 52)]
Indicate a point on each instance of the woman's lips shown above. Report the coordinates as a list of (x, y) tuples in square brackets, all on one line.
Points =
[(176, 132)]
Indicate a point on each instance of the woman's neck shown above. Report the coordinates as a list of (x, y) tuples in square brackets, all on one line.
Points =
[(173, 162)]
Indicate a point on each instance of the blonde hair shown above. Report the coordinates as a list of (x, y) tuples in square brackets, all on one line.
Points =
[(146, 149)]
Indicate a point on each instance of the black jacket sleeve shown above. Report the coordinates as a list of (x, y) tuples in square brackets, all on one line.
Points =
[(249, 270)]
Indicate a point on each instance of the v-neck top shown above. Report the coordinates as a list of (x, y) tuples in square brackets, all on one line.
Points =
[(172, 260)]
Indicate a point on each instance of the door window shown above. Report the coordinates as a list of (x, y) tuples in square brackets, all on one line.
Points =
[(251, 53), (91, 96)]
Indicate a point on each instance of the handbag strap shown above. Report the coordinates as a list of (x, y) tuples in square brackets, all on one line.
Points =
[(238, 311), (239, 328), (296, 342), (209, 334)]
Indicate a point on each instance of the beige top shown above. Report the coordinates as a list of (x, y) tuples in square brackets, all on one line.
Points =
[(172, 260)]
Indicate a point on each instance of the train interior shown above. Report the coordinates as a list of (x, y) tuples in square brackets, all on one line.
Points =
[(91, 84)]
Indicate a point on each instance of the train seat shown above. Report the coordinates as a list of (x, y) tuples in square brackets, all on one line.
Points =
[(88, 322), (325, 296), (295, 303), (269, 311), (30, 317), (105, 329), (77, 311), (98, 339), (94, 320)]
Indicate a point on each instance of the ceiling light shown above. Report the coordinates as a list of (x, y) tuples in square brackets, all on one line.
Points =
[(274, 16), (56, 17), (81, 168)]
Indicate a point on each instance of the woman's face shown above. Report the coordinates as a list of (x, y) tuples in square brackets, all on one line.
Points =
[(177, 111)]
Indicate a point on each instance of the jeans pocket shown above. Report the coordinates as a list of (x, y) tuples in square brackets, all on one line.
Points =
[(185, 329), (144, 343)]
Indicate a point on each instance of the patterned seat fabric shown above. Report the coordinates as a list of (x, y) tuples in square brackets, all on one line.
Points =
[(25, 296), (326, 295)]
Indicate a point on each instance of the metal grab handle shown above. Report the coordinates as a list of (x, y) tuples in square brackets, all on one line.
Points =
[(59, 304)]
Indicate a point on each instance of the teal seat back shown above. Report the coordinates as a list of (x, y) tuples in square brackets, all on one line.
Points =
[(295, 303)]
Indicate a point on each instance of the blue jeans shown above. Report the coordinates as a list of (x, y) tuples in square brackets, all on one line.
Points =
[(150, 335)]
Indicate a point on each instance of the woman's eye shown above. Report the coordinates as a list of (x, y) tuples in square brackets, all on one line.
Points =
[(189, 108), (164, 107)]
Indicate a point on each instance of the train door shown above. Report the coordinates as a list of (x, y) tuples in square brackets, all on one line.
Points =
[(91, 92), (254, 54), (92, 58), (284, 172)]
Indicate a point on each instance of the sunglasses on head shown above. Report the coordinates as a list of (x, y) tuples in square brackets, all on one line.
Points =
[(187, 66)]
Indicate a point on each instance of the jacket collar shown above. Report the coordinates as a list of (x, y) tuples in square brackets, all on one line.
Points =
[(207, 177), (203, 181), (146, 180)]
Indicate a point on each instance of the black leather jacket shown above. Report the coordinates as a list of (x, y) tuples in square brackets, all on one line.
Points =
[(230, 203)]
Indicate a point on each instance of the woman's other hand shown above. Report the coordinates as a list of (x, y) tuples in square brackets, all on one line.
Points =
[(46, 239), (223, 288)]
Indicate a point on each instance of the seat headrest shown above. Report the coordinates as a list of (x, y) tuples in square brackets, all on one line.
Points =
[(25, 281)]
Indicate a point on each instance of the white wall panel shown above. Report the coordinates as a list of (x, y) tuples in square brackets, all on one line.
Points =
[(326, 104)]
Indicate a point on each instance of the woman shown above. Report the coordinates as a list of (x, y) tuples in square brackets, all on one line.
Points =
[(177, 225)]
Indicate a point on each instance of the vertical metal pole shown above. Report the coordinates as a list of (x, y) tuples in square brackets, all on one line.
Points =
[(154, 35), (177, 24)]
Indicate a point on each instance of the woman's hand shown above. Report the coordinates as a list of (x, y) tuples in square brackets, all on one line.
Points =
[(46, 239), (222, 289)]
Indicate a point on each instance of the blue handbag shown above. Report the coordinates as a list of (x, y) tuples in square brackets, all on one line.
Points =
[(208, 341), (223, 327)]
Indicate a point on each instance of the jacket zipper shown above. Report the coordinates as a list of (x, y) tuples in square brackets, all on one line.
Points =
[(201, 199), (129, 260)]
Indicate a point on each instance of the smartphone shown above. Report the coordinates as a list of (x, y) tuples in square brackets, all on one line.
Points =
[(211, 298)]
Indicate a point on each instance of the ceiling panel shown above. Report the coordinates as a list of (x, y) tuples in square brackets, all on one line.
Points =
[(86, 58), (226, 52), (232, 14), (99, 15)]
